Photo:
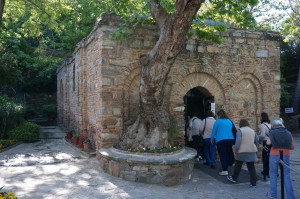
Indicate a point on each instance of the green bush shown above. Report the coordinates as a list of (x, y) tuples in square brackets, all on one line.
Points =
[(26, 132), (50, 110), (29, 111), (11, 114)]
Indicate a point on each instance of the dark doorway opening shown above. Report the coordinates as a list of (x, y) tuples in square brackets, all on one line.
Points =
[(197, 100)]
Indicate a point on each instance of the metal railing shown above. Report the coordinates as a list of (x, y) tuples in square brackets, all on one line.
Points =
[(282, 165)]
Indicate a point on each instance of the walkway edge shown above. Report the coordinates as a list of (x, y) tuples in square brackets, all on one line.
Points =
[(82, 152)]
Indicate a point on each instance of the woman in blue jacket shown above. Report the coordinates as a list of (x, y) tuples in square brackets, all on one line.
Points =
[(222, 132)]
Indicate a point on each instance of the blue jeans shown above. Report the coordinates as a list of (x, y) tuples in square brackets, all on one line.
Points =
[(274, 165), (209, 151)]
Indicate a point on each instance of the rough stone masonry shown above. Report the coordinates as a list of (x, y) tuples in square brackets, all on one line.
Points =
[(97, 87)]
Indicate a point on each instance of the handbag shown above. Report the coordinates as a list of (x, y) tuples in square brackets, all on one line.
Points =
[(201, 134), (234, 130), (189, 131)]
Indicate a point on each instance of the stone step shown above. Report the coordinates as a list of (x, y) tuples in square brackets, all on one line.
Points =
[(51, 132)]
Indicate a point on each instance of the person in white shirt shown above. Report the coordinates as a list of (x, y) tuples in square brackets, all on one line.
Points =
[(209, 148), (265, 127), (194, 127)]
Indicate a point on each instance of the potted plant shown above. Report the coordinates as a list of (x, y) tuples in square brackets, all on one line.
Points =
[(75, 139), (82, 138), (69, 134)]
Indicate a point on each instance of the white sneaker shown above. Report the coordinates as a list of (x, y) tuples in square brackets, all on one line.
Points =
[(223, 173), (231, 179)]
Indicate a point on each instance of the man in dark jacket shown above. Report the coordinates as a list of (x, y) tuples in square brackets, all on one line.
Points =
[(280, 139)]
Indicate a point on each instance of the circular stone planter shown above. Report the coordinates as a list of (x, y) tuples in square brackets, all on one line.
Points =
[(153, 168)]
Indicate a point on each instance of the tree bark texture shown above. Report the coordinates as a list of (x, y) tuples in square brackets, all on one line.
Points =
[(2, 4), (151, 127)]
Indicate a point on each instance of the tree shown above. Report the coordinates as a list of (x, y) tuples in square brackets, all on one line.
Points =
[(2, 4), (152, 123), (36, 36), (290, 65), (280, 15), (291, 27), (51, 28)]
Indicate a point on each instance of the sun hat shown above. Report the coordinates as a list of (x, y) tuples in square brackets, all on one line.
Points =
[(277, 122)]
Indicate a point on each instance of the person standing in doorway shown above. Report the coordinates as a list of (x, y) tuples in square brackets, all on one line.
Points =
[(209, 148), (280, 139), (222, 131), (245, 150), (194, 127)]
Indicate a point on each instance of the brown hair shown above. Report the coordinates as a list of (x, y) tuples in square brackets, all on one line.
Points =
[(264, 117), (222, 114), (243, 123), (209, 113)]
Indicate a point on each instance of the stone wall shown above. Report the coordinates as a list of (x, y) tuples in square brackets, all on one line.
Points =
[(98, 86), (168, 169)]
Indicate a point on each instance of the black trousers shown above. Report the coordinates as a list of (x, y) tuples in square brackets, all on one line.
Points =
[(224, 148), (197, 144), (251, 168), (265, 158)]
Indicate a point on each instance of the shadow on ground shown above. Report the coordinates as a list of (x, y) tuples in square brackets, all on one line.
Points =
[(243, 177)]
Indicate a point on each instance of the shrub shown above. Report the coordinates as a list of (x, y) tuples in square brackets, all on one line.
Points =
[(26, 132), (50, 110), (29, 111), (11, 114)]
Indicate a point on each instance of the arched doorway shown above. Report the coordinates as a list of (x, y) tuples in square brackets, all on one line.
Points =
[(199, 85), (198, 100)]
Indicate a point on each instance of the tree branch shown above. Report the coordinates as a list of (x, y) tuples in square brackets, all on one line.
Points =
[(158, 13), (2, 4)]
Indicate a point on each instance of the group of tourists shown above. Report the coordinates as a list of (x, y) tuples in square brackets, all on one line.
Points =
[(238, 146)]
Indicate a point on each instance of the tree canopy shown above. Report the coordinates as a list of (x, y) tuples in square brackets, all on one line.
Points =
[(37, 35), (279, 15)]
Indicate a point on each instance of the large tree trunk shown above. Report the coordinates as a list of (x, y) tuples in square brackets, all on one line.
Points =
[(2, 4), (151, 127)]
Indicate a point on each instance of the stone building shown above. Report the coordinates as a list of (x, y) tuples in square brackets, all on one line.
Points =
[(98, 86)]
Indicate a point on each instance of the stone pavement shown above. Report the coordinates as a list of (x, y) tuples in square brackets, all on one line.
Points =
[(51, 169)]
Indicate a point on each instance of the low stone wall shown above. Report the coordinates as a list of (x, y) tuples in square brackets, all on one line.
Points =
[(168, 169)]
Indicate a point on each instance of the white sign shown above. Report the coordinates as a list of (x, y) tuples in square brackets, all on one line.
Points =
[(289, 110), (179, 109), (213, 107)]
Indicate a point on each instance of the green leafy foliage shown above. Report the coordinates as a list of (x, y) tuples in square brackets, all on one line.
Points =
[(143, 149), (50, 110), (289, 66), (26, 132), (279, 15), (232, 12), (37, 35), (11, 114), (6, 143), (29, 111)]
